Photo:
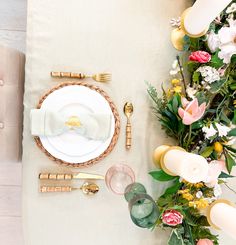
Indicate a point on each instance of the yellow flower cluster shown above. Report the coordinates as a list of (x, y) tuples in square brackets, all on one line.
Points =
[(196, 185), (186, 195), (176, 87), (200, 204), (190, 195)]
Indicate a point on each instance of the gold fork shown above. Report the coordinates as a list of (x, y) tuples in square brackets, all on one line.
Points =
[(99, 77)]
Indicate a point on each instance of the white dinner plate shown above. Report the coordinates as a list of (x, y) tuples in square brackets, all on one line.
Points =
[(71, 101)]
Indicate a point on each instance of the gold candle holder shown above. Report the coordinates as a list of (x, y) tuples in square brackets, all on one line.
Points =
[(208, 211), (160, 154), (178, 34)]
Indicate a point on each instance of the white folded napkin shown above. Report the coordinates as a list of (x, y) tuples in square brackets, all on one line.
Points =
[(95, 126)]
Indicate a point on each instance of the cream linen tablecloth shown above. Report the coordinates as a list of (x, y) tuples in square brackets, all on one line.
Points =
[(130, 38)]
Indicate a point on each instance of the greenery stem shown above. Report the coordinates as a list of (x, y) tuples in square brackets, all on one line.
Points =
[(181, 73), (189, 136)]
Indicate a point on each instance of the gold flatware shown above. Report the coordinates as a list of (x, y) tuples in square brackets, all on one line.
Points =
[(128, 110), (87, 188), (57, 176), (99, 77)]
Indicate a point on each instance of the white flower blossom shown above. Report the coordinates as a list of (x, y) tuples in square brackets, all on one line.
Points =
[(209, 131), (217, 191), (175, 22), (207, 87), (191, 92), (222, 129), (231, 8), (213, 41), (199, 194), (209, 74), (175, 68), (227, 36)]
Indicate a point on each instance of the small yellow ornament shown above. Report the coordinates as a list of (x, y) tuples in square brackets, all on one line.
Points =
[(158, 153), (175, 81), (218, 147), (177, 89)]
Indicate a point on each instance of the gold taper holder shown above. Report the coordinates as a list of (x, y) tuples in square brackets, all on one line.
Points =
[(178, 34), (162, 154), (208, 211)]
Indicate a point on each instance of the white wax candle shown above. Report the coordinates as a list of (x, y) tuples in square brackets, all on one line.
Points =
[(223, 216), (193, 168), (202, 13)]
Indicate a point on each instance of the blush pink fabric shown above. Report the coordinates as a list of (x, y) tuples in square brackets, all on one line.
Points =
[(12, 65)]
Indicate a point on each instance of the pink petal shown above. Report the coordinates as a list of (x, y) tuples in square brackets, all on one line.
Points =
[(184, 102), (192, 107), (188, 118), (201, 111), (181, 112)]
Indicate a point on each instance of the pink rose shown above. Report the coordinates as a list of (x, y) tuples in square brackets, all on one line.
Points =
[(172, 217), (200, 56), (191, 111), (204, 242)]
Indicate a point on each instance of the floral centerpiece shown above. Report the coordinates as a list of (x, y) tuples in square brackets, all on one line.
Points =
[(199, 111)]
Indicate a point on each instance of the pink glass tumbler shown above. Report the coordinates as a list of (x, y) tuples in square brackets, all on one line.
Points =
[(118, 177)]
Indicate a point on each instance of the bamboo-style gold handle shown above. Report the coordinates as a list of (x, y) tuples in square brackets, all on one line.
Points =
[(48, 176), (128, 135), (68, 74), (46, 189)]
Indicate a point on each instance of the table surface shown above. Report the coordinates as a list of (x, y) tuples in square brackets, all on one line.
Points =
[(130, 39)]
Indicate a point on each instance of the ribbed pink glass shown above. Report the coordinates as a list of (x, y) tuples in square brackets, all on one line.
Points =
[(118, 177)]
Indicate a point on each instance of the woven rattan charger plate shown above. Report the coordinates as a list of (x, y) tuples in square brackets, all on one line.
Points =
[(113, 140)]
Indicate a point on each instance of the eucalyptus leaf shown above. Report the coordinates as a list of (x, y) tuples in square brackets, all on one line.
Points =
[(224, 118), (216, 61), (234, 118), (175, 104), (162, 176), (230, 162), (216, 86), (175, 238), (232, 132), (207, 151), (196, 77), (173, 189), (231, 149), (224, 175)]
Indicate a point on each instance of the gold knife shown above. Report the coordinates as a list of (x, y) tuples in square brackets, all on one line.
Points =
[(52, 176)]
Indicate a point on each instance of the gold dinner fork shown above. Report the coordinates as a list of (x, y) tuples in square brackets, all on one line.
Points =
[(99, 77)]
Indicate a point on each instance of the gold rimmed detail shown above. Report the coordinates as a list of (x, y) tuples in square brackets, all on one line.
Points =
[(163, 167), (208, 211), (184, 29)]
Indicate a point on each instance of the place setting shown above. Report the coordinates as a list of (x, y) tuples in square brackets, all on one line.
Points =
[(76, 124)]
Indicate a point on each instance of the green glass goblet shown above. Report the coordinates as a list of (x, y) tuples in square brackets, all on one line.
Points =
[(132, 190), (143, 210)]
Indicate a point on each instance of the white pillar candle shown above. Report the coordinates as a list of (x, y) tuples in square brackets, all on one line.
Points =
[(202, 13), (191, 167), (223, 216)]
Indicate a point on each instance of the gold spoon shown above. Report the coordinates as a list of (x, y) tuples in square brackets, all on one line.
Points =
[(128, 110), (87, 188)]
